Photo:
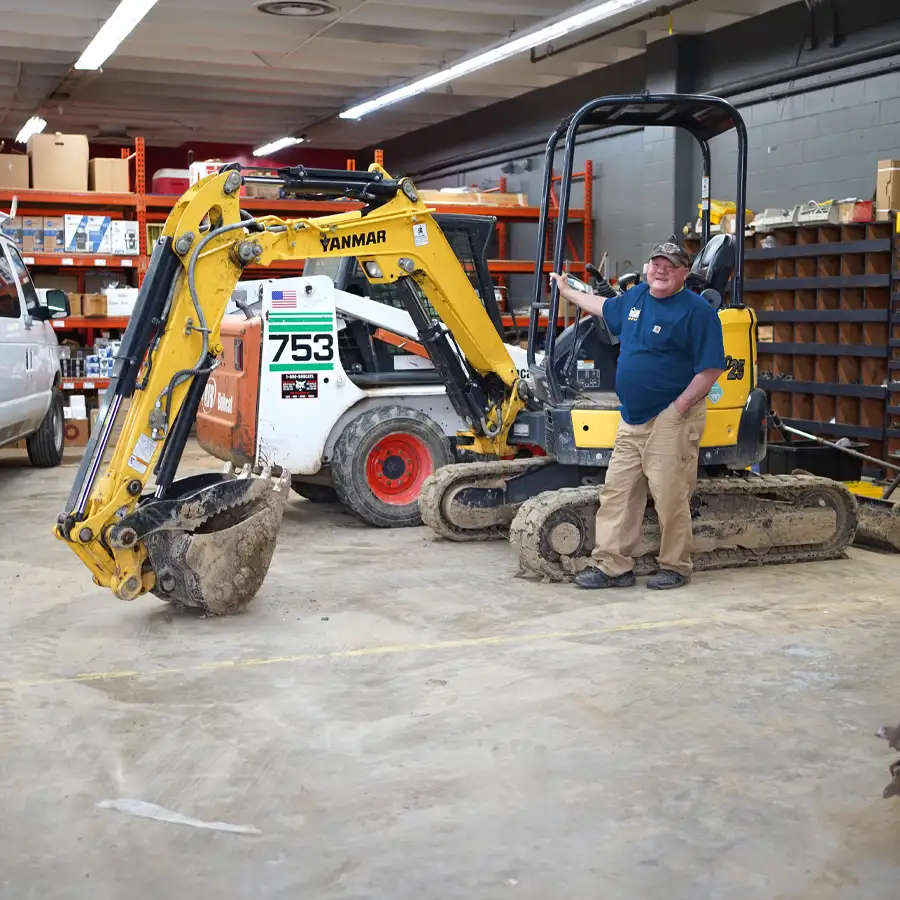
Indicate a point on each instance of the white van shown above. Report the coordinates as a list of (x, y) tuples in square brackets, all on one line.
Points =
[(31, 404)]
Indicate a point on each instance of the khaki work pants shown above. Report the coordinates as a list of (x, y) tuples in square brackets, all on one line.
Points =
[(660, 455)]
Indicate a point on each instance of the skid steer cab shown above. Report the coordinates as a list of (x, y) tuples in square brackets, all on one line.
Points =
[(365, 433)]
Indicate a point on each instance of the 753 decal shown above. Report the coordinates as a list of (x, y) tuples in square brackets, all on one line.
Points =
[(735, 368), (304, 347)]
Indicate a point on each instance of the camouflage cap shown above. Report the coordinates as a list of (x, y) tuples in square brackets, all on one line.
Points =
[(676, 255)]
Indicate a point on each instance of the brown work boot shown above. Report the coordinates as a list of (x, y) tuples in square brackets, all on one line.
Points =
[(596, 578)]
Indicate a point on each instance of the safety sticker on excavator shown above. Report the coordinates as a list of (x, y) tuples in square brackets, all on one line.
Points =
[(142, 455), (420, 234)]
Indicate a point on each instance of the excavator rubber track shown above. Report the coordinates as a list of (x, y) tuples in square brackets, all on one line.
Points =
[(737, 522), (489, 524)]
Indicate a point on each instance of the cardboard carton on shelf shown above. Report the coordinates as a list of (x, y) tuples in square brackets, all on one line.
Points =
[(74, 304), (76, 432), (14, 174), (124, 238), (263, 191), (54, 234), (494, 198), (108, 176), (93, 305), (59, 162), (12, 229), (32, 234), (887, 188), (120, 301), (88, 234)]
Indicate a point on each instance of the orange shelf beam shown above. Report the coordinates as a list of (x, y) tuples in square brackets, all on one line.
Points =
[(73, 322), (81, 260), (30, 197), (84, 384)]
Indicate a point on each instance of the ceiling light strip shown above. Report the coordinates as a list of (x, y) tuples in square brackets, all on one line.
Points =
[(113, 31), (596, 12), (275, 146)]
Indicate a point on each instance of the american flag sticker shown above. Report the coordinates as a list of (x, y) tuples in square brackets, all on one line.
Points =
[(284, 299)]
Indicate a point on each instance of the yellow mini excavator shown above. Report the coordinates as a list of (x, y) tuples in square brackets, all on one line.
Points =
[(547, 506), (207, 540)]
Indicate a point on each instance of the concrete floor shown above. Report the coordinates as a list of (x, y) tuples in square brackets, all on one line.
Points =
[(406, 719)]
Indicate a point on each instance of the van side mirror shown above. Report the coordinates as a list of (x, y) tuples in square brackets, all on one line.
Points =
[(57, 303)]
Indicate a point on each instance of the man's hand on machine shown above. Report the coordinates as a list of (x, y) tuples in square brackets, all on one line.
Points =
[(591, 303)]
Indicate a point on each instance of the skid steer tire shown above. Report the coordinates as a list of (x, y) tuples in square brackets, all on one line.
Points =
[(315, 493), (45, 446), (382, 459)]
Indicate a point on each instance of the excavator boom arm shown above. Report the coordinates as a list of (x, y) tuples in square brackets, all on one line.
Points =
[(134, 542)]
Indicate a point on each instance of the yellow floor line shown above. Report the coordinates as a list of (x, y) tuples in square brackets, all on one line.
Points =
[(391, 649)]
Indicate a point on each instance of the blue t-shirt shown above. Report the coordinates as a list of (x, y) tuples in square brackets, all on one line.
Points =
[(663, 345)]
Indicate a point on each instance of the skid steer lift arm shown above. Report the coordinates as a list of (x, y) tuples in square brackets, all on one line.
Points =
[(207, 540)]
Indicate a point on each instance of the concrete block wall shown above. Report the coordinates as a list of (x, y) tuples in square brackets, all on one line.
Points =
[(821, 145), (824, 142)]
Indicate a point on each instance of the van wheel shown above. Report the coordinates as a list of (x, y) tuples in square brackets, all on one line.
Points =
[(45, 446), (315, 493), (381, 460)]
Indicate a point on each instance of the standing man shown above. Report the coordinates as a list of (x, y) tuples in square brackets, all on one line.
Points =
[(671, 353)]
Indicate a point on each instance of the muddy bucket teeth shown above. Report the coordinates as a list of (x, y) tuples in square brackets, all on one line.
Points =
[(211, 541)]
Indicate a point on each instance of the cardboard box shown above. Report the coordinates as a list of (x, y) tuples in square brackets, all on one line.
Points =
[(67, 283), (76, 432), (59, 162), (12, 228), (74, 304), (887, 188), (88, 234), (120, 301), (108, 176), (14, 173), (54, 234), (264, 191), (32, 234), (124, 238), (93, 305)]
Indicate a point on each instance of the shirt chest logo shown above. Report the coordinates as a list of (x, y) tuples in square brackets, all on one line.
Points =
[(634, 314), (656, 329)]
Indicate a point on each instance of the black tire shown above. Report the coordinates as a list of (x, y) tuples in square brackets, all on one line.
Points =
[(315, 493), (45, 446), (418, 447)]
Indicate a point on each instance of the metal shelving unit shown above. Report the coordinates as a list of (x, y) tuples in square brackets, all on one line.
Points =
[(822, 294)]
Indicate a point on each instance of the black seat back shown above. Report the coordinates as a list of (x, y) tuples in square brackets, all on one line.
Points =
[(713, 265)]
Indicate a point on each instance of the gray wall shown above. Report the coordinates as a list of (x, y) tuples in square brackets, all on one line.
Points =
[(821, 143)]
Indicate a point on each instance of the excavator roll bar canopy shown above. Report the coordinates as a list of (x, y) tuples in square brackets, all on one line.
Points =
[(703, 116)]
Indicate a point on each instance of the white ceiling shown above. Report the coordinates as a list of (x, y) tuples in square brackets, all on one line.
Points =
[(220, 70)]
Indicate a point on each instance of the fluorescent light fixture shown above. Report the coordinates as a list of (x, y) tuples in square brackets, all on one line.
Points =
[(35, 125), (275, 146), (113, 31), (594, 13)]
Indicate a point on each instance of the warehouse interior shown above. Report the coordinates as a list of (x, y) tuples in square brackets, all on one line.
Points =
[(304, 455)]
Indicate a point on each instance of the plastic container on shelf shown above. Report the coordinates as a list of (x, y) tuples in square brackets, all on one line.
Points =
[(170, 181)]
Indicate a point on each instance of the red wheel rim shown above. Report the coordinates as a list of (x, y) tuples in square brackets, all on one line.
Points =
[(396, 467)]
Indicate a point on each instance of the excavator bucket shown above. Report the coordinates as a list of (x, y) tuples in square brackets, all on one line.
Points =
[(216, 554), (878, 524), (211, 541)]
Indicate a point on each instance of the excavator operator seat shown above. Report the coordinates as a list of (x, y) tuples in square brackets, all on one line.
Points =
[(712, 269)]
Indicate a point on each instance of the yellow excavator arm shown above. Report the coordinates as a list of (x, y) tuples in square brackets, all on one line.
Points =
[(207, 540)]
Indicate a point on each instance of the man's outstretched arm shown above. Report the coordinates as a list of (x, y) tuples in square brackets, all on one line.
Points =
[(591, 303)]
